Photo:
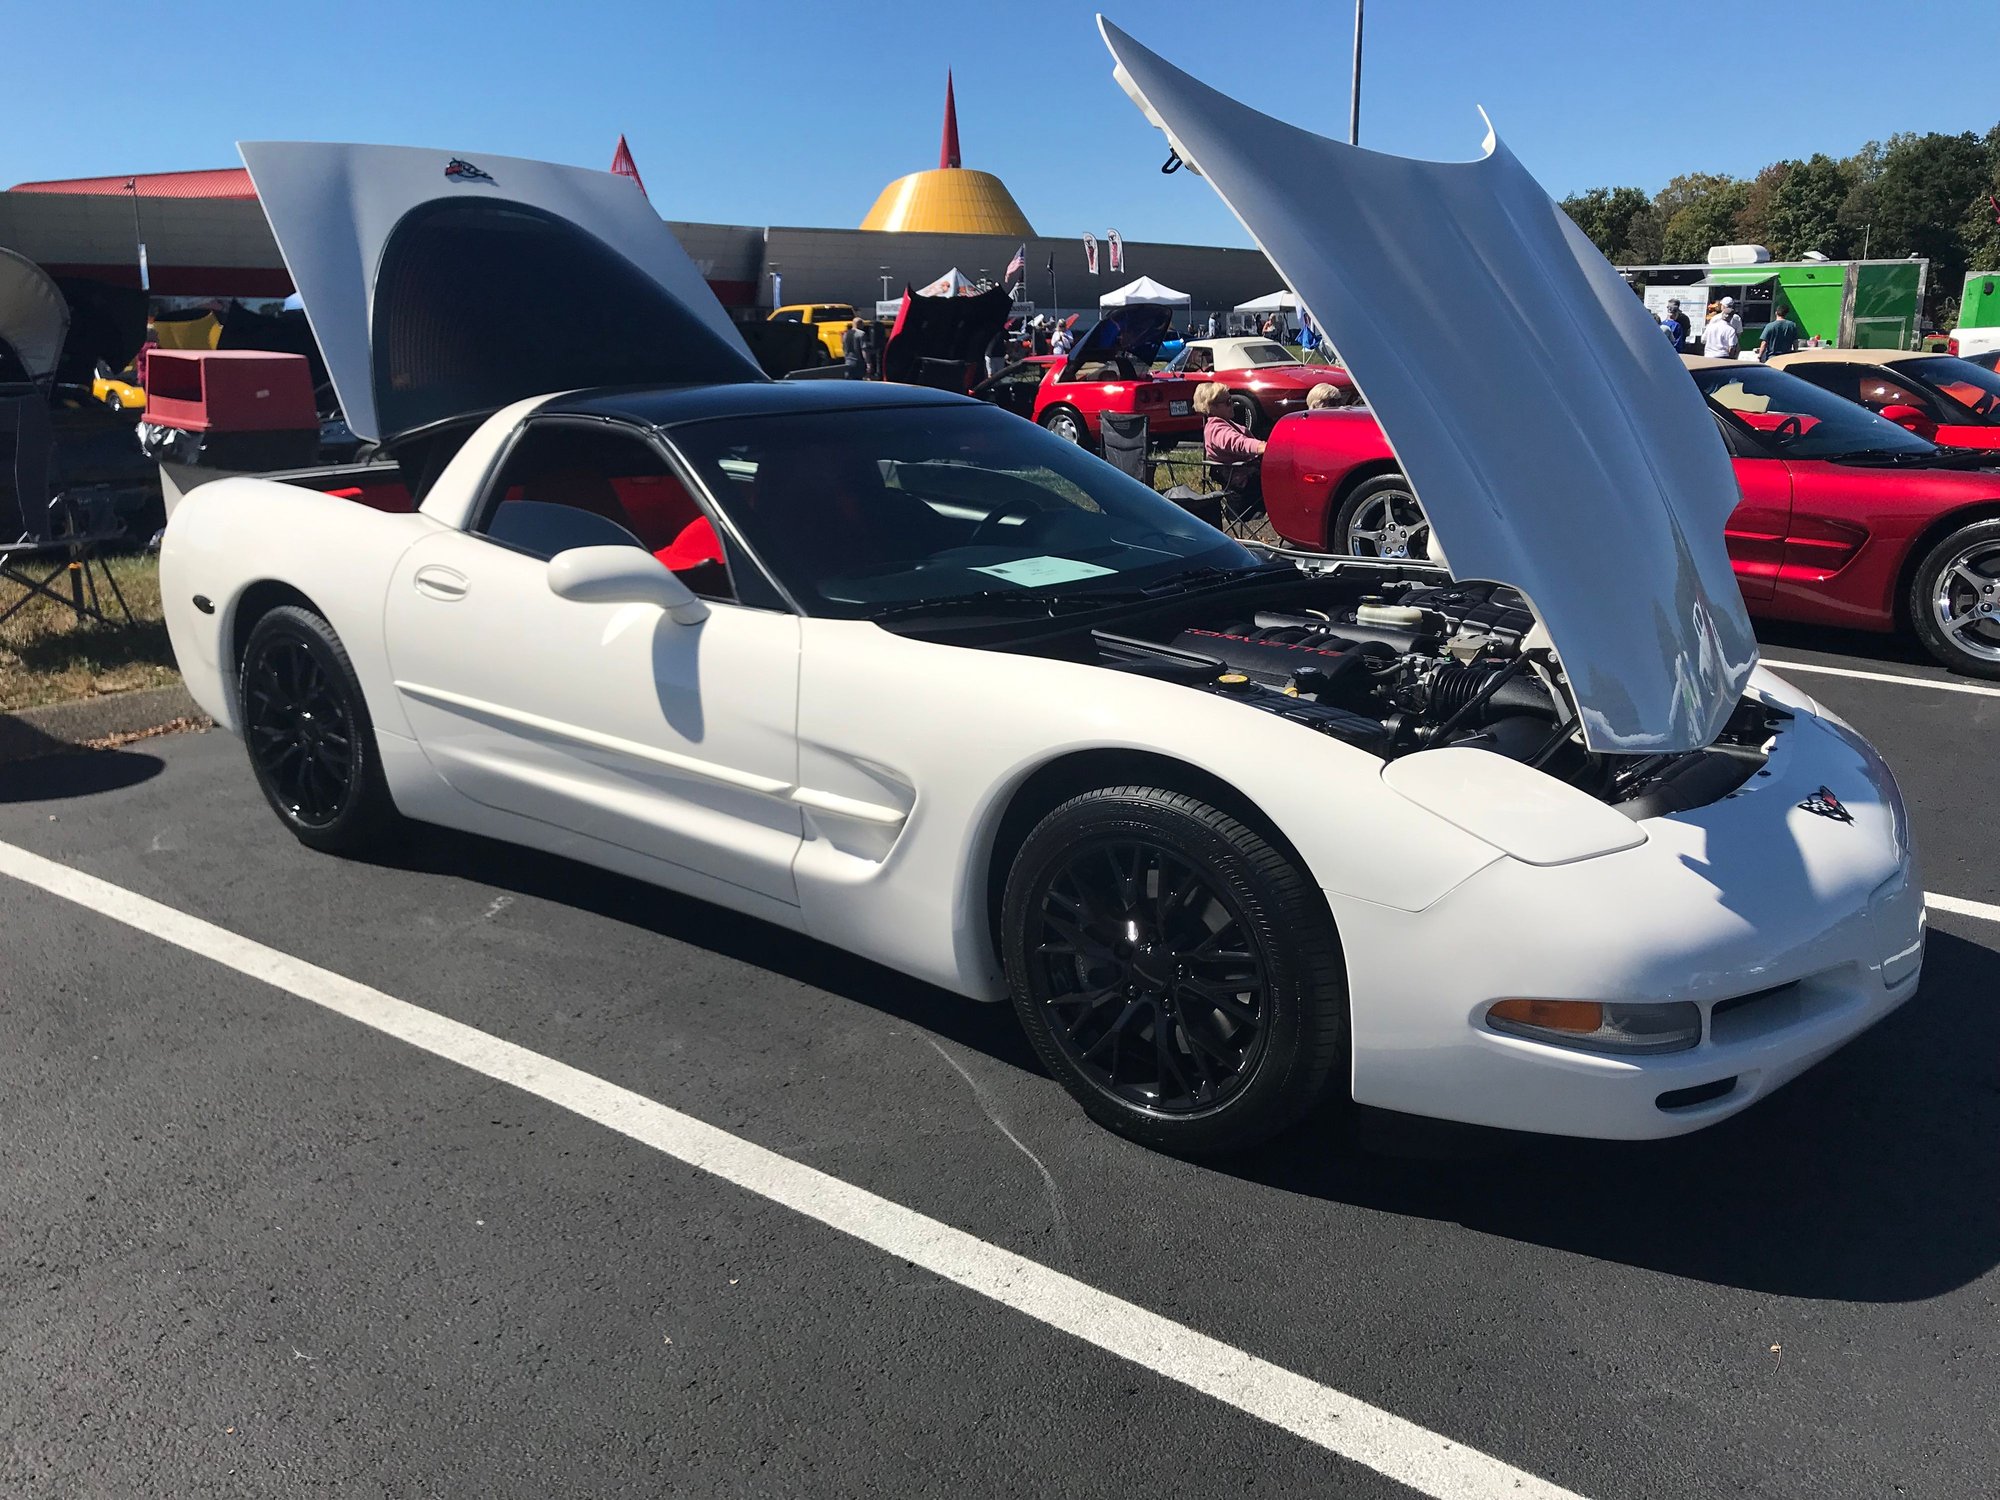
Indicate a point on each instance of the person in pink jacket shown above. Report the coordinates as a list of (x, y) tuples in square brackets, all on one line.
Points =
[(1224, 441)]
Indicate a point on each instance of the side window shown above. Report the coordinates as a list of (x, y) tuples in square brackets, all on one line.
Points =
[(1879, 389), (788, 315), (570, 484)]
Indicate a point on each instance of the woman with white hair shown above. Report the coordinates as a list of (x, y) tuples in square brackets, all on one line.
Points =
[(1225, 442)]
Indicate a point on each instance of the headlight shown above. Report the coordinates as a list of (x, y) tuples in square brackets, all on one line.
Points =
[(1600, 1026)]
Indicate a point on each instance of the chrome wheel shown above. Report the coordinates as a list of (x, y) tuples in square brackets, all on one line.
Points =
[(299, 731), (1388, 522), (1154, 987), (1964, 599), (1065, 425)]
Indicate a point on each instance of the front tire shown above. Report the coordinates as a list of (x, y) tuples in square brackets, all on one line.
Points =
[(1382, 518), (1178, 975), (307, 730), (1954, 600)]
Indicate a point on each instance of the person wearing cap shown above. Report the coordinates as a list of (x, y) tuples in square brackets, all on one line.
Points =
[(1735, 318), (1719, 339)]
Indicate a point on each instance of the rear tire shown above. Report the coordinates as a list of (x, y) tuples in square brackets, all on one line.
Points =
[(310, 740), (1067, 423), (1247, 415), (1954, 599), (1179, 976)]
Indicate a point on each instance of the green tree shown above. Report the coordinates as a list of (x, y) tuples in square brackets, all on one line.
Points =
[(1804, 209), (1753, 219), (1606, 216), (1981, 229), (1687, 190), (1927, 187), (1703, 214)]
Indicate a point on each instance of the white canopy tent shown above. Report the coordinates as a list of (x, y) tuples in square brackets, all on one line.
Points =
[(1145, 292), (954, 283), (1278, 301)]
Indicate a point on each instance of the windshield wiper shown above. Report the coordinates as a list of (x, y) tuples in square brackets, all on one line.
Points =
[(1937, 457), (1196, 577)]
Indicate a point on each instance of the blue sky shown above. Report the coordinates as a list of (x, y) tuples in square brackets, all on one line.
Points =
[(797, 111)]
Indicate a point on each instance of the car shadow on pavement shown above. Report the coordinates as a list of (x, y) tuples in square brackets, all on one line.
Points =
[(67, 772), (1874, 1177), (990, 1029), (1894, 649)]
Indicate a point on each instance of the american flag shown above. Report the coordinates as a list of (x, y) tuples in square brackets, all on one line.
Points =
[(1018, 266)]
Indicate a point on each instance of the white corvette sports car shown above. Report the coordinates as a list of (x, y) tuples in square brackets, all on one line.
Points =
[(900, 670)]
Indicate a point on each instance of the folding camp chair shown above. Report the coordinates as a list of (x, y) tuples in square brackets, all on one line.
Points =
[(1125, 443), (1234, 484), (44, 537)]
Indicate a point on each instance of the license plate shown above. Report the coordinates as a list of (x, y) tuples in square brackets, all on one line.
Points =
[(1179, 408)]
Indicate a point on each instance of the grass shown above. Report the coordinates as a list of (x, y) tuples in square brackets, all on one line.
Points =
[(47, 655)]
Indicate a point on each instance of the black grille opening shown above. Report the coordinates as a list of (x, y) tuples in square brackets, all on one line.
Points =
[(1701, 1093)]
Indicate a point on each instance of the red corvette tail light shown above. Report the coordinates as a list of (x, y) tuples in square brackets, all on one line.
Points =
[(1149, 395), (1951, 347)]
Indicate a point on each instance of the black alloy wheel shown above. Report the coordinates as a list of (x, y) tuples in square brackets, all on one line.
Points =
[(1173, 970), (307, 731), (1954, 600)]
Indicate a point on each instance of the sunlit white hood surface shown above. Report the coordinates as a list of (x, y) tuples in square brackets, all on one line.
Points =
[(441, 286), (1553, 437), (34, 318)]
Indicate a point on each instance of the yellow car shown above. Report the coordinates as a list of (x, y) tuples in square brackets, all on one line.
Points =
[(828, 319), (120, 391)]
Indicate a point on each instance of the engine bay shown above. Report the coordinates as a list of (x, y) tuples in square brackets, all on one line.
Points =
[(1393, 665)]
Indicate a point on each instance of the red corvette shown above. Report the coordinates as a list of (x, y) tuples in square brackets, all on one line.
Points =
[(1109, 370), (1846, 519), (1953, 402), (1265, 382)]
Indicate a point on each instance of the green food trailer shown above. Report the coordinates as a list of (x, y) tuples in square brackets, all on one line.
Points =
[(1980, 306), (1851, 304)]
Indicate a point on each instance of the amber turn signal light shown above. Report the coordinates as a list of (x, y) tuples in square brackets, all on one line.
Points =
[(1579, 1016)]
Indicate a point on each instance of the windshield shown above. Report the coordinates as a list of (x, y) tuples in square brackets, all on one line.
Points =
[(1265, 352), (1970, 386), (1801, 420), (860, 512)]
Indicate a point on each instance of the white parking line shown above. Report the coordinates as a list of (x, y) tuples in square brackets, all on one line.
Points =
[(1929, 682), (1425, 1461), (1962, 908)]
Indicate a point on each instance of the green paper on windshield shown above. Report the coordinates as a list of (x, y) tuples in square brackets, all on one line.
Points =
[(1035, 572)]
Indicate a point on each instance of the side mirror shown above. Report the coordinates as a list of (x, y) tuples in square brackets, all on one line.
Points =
[(623, 575), (1904, 415)]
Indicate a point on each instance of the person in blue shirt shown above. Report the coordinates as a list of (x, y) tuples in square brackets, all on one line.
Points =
[(1674, 324)]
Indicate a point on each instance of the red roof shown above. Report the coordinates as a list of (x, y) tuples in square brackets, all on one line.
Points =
[(216, 182)]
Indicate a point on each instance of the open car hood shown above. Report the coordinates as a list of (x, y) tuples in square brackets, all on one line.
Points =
[(1135, 332), (34, 318), (440, 287), (1554, 439), (955, 330)]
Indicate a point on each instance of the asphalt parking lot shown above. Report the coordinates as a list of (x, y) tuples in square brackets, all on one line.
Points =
[(254, 1246)]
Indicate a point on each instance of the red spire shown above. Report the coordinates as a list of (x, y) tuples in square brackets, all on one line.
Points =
[(948, 153), (623, 165)]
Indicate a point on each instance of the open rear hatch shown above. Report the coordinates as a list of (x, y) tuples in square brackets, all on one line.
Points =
[(441, 288)]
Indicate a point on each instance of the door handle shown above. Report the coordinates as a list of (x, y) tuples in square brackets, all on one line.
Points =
[(443, 583)]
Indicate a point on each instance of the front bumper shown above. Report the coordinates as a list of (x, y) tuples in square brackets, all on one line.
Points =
[(1792, 931)]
